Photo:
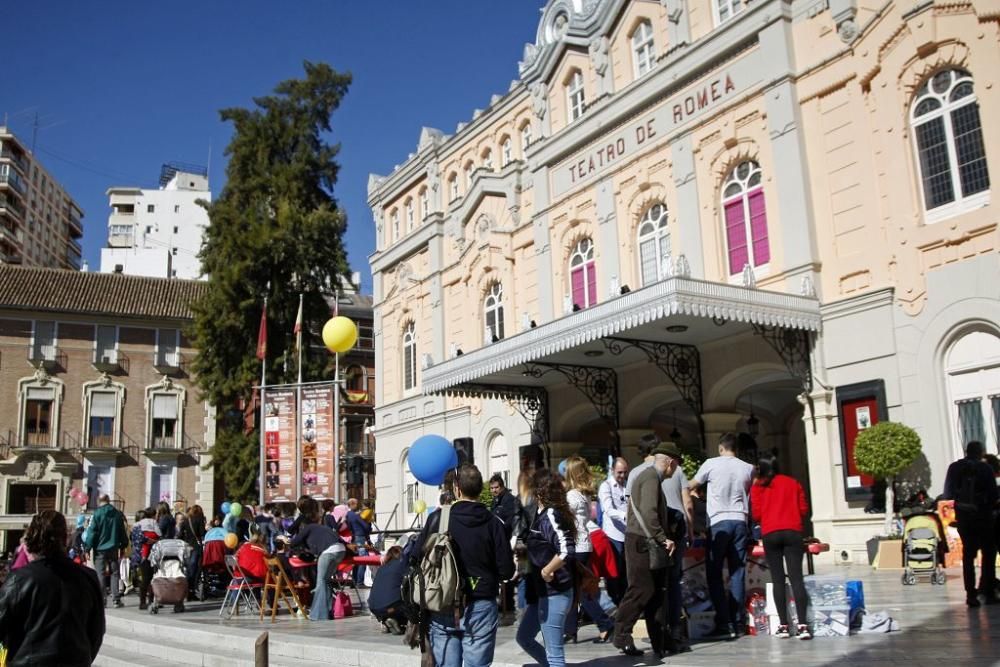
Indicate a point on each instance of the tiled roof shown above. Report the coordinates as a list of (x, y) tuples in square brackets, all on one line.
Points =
[(121, 295)]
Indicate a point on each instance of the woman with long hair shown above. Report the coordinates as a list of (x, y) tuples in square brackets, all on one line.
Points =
[(166, 521), (326, 545), (579, 493), (551, 544), (778, 503)]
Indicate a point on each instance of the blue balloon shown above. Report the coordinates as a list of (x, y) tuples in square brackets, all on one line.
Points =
[(562, 467), (430, 458), (225, 507)]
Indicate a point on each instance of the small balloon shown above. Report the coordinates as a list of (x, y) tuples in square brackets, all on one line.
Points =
[(562, 467), (419, 506), (235, 509), (231, 540), (339, 334), (225, 506), (82, 500), (366, 514)]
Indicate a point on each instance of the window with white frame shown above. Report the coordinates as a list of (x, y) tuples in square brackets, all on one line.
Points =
[(727, 9), (409, 215), (394, 217), (105, 344), (453, 186), (409, 357), (100, 481), (425, 208), (505, 152), (164, 433), (487, 158), (498, 461), (167, 348), (582, 274), (972, 370), (39, 411), (643, 51), (43, 340), (948, 135), (525, 138), (745, 217), (102, 416), (162, 480), (654, 243), (493, 312), (575, 100), (411, 488)]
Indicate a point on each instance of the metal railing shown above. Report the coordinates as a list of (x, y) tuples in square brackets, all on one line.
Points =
[(359, 449), (13, 179), (12, 205), (16, 158)]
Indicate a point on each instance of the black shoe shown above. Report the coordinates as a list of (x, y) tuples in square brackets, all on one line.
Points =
[(118, 604), (972, 601), (569, 638), (626, 645), (605, 637), (726, 632)]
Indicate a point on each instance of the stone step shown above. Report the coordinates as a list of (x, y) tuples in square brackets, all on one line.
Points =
[(111, 656)]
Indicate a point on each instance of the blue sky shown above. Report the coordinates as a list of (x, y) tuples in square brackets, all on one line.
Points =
[(121, 87)]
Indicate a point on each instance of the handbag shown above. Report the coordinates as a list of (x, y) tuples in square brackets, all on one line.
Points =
[(342, 605), (658, 556)]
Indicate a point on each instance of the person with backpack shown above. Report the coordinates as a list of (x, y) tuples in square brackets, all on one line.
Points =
[(107, 538), (970, 483), (463, 555)]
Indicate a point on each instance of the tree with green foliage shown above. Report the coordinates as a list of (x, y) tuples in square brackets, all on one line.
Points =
[(883, 451), (275, 231)]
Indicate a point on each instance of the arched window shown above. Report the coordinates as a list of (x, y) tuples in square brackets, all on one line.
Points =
[(487, 157), (582, 275), (493, 312), (949, 141), (643, 53), (727, 9), (409, 357), (745, 217), (452, 186), (498, 462), (409, 215), (467, 173), (394, 216), (654, 243), (424, 204), (525, 138), (972, 370), (575, 99), (505, 152)]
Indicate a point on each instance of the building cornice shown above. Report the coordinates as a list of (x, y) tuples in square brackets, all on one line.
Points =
[(880, 298)]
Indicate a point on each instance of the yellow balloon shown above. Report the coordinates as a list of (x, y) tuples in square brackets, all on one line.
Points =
[(339, 334), (366, 515), (419, 506), (231, 540)]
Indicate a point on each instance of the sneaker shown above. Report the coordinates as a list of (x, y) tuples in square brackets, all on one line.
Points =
[(394, 626), (802, 631), (782, 632), (118, 604)]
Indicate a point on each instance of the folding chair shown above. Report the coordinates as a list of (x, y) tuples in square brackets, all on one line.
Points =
[(344, 578), (240, 589), (278, 583)]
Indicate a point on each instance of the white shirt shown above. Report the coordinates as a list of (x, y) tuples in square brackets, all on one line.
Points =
[(612, 498), (728, 480)]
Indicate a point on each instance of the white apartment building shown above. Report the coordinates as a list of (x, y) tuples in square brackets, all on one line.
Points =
[(157, 233)]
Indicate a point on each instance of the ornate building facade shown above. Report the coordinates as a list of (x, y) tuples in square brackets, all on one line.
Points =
[(697, 217)]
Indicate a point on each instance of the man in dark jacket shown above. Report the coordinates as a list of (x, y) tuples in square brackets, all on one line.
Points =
[(108, 536), (506, 508), (482, 550), (970, 483), (51, 610)]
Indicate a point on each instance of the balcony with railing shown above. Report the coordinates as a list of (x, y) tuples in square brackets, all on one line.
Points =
[(12, 207), (19, 159), (111, 361), (9, 233), (49, 357), (10, 177), (169, 363), (74, 223), (39, 439), (366, 449)]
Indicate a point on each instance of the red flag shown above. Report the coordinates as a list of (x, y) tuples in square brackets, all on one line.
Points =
[(298, 319), (262, 334)]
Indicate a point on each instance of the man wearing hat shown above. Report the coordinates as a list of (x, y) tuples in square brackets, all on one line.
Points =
[(647, 518)]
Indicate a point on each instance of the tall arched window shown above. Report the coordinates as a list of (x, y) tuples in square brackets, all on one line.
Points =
[(409, 215), (493, 312), (424, 204), (582, 275), (505, 152), (467, 172), (525, 138), (949, 141), (654, 243), (643, 53), (394, 216), (487, 157), (452, 186), (972, 371), (575, 99), (746, 217), (409, 357), (498, 462)]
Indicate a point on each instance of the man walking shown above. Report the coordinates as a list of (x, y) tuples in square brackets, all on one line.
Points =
[(482, 550), (728, 480), (647, 520), (680, 508), (108, 536), (505, 507), (970, 483), (614, 508)]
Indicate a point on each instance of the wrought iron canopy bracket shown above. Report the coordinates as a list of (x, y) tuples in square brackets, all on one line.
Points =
[(599, 385), (680, 363), (532, 403), (794, 347)]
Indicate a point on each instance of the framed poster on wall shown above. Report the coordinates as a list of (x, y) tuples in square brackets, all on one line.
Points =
[(859, 406)]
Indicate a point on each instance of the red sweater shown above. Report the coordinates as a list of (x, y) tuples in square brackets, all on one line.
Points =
[(778, 506)]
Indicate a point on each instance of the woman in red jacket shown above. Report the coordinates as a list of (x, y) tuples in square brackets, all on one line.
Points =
[(778, 503)]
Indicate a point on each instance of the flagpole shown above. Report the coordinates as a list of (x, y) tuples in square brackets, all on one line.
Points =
[(298, 336), (263, 381)]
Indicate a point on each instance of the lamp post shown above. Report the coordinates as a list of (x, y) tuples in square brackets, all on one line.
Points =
[(339, 335)]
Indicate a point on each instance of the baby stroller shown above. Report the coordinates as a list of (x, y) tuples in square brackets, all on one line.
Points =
[(169, 559), (213, 577), (922, 542)]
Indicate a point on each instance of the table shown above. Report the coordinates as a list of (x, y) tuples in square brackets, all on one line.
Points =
[(373, 560)]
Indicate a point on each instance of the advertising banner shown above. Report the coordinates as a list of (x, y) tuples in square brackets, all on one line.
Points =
[(317, 434), (280, 456)]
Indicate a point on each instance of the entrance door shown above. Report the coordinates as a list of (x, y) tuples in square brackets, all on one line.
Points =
[(98, 482), (31, 498), (161, 484)]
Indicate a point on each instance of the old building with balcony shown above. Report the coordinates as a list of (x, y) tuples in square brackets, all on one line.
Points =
[(96, 394), (40, 224)]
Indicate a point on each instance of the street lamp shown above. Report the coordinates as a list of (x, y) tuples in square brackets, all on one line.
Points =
[(339, 335)]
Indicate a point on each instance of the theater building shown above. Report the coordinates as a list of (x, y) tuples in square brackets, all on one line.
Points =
[(697, 217)]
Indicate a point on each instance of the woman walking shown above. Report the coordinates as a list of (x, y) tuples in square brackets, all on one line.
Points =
[(579, 493), (551, 544), (778, 503)]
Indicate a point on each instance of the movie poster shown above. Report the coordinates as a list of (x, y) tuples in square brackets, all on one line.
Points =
[(279, 456), (317, 432)]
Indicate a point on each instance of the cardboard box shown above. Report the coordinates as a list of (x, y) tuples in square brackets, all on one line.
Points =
[(890, 555), (830, 621)]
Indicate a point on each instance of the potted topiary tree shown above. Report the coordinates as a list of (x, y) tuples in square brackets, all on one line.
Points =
[(883, 451)]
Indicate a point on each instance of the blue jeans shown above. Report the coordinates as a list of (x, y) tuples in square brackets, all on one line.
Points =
[(728, 542), (320, 610), (471, 642), (359, 570), (549, 616), (590, 604)]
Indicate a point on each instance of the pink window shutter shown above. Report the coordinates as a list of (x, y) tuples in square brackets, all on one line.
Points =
[(591, 284), (758, 228), (576, 286), (736, 236)]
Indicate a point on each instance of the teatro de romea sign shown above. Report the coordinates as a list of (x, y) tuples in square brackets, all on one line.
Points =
[(679, 109)]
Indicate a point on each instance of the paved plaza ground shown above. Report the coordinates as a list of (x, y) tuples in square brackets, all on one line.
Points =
[(936, 628)]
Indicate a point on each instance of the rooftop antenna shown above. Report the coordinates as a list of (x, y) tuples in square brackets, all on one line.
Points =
[(36, 126)]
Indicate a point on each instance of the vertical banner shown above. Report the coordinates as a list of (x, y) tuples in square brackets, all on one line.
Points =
[(316, 423), (279, 455)]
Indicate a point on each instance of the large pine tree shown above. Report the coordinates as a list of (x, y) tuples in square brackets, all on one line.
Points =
[(275, 223)]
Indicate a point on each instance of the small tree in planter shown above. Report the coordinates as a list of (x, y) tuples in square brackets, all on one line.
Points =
[(883, 451)]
